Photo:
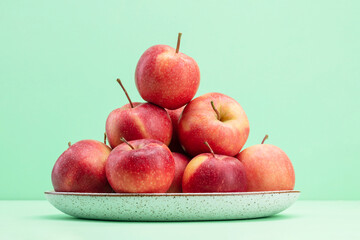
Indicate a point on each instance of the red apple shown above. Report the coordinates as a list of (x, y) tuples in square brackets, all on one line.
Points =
[(138, 121), (175, 145), (81, 168), (167, 77), (267, 167), (217, 119), (214, 173), (181, 162), (140, 166)]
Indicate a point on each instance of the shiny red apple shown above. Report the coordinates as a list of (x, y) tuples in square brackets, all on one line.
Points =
[(140, 166), (81, 168), (166, 77), (209, 172), (138, 121), (217, 119), (267, 167)]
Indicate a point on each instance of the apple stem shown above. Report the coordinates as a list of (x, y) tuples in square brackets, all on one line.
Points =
[(69, 144), (127, 95), (266, 137), (124, 140), (207, 144), (217, 112), (178, 43), (105, 138)]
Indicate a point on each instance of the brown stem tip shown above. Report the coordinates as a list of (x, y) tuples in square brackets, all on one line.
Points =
[(178, 43), (266, 137), (69, 144), (217, 112), (212, 152), (124, 140), (127, 95), (105, 138)]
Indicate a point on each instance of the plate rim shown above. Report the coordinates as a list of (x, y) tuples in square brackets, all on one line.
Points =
[(168, 194)]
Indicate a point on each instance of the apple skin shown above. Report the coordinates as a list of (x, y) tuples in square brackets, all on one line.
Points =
[(175, 145), (144, 121), (149, 168), (268, 168), (181, 161), (199, 123), (81, 168), (206, 173), (166, 78)]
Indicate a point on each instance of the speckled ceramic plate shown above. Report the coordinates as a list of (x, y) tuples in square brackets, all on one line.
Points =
[(172, 206)]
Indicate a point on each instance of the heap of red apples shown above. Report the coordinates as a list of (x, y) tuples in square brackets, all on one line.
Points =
[(172, 142)]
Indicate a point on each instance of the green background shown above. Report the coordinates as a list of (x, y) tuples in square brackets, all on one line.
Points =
[(294, 66)]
